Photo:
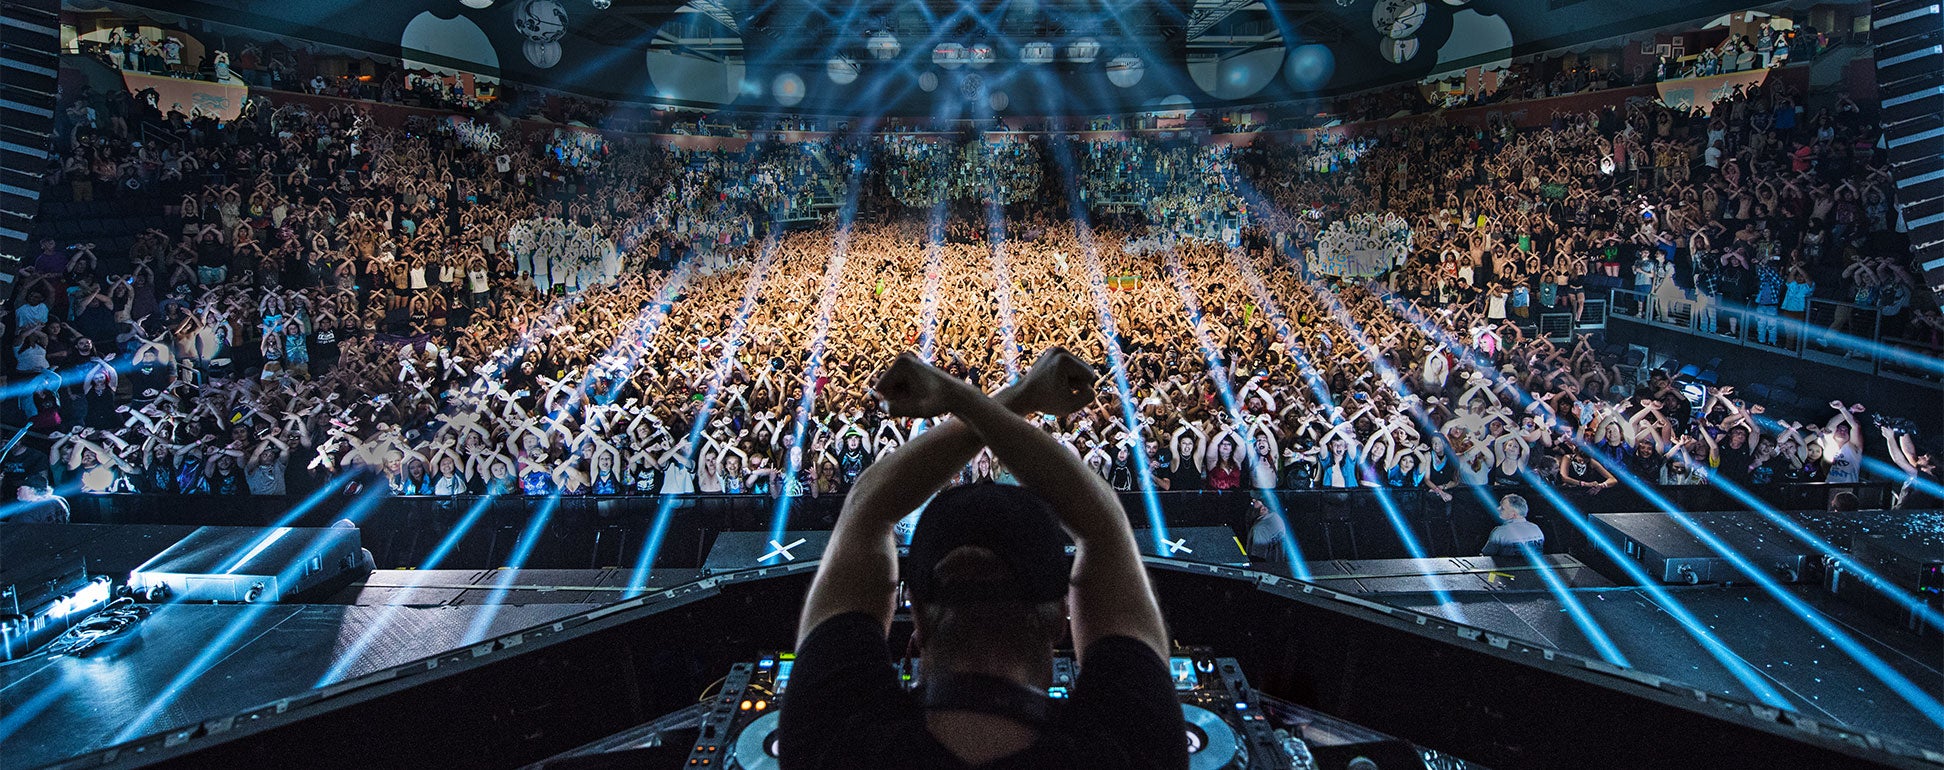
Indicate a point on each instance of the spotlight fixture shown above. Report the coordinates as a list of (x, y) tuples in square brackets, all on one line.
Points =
[(951, 56), (602, 5), (883, 46), (476, 4), (1083, 50)]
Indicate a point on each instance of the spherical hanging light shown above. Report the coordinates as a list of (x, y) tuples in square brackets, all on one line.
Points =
[(1125, 70), (841, 69)]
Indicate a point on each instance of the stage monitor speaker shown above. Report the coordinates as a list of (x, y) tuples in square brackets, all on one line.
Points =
[(735, 551), (1909, 39), (29, 68), (250, 565)]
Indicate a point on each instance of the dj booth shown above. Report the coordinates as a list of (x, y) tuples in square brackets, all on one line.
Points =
[(262, 644), (1262, 661), (1368, 664)]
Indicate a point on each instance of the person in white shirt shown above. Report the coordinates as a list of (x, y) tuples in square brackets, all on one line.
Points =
[(1844, 444), (33, 313), (1516, 535)]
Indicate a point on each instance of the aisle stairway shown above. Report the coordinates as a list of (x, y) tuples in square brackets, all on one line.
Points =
[(827, 194), (111, 224)]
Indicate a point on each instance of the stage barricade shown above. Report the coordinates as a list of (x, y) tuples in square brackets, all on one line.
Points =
[(594, 532)]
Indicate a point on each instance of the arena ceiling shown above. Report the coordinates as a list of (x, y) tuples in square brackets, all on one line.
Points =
[(1175, 24), (949, 59)]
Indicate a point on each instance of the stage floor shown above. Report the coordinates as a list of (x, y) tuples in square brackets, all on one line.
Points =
[(52, 709), (1822, 681), (1381, 577)]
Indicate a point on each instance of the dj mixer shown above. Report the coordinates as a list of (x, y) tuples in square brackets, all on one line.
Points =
[(1226, 724)]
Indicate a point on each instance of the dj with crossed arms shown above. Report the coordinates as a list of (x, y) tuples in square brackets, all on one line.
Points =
[(991, 596)]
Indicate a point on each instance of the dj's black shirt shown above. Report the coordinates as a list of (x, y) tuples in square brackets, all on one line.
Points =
[(845, 708)]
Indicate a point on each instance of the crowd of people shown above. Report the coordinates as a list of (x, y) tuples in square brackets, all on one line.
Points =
[(352, 305), (1768, 46), (925, 172), (1721, 49), (1181, 187), (1758, 204)]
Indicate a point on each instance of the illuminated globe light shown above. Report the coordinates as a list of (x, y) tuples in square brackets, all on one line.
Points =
[(788, 89), (1036, 52), (928, 82), (842, 69), (1237, 76), (541, 55), (1310, 66), (980, 55), (457, 38), (1083, 50), (540, 21), (1475, 37), (1398, 51), (1125, 70), (681, 72), (476, 4), (999, 101), (883, 46), (1398, 19), (951, 56)]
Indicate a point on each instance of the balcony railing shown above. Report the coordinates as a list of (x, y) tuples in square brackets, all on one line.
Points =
[(1829, 332)]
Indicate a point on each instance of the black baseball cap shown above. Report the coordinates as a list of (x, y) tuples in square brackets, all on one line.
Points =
[(1013, 523)]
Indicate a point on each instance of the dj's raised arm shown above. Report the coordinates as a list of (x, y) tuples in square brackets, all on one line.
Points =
[(1110, 594), (991, 595), (859, 570)]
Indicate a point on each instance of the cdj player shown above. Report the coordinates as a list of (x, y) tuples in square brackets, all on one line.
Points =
[(1227, 725)]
